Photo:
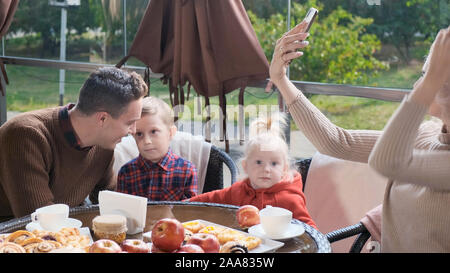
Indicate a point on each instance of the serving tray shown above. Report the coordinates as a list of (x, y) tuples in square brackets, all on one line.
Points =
[(267, 245)]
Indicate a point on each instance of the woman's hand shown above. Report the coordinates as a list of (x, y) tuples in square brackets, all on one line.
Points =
[(436, 68), (286, 50)]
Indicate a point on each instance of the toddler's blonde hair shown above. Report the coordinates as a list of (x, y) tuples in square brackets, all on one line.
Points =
[(155, 106)]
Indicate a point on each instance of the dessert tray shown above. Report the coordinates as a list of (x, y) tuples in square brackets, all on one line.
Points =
[(68, 239), (255, 244)]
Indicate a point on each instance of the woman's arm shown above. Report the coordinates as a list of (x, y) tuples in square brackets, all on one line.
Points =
[(328, 138), (394, 154)]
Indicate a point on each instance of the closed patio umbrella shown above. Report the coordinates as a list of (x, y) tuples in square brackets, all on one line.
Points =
[(7, 10), (209, 44)]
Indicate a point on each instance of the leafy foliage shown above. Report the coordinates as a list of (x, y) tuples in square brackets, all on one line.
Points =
[(340, 50), (401, 23)]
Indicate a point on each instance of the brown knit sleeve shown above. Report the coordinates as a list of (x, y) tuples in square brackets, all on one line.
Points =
[(24, 170), (108, 182)]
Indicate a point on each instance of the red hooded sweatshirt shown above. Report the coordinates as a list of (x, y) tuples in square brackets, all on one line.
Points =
[(284, 194)]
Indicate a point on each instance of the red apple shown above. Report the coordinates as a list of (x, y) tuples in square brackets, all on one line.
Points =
[(190, 248), (105, 246), (247, 216), (208, 242), (135, 246), (168, 234), (154, 249)]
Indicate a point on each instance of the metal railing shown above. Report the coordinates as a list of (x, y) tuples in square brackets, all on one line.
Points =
[(386, 94)]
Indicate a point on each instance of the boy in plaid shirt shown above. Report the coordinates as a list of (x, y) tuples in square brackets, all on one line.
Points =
[(157, 173)]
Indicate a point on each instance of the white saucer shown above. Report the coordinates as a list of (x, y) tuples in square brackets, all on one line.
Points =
[(294, 230), (69, 222)]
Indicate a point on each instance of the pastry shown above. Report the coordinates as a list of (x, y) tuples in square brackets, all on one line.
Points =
[(251, 242), (110, 226), (9, 247), (214, 230), (229, 234), (19, 236), (30, 244), (194, 226), (72, 238), (43, 247), (233, 247), (66, 237), (32, 240), (3, 237)]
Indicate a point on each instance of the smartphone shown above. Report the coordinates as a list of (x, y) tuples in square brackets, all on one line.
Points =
[(310, 16)]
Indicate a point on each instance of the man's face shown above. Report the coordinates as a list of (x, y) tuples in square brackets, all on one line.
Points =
[(115, 129)]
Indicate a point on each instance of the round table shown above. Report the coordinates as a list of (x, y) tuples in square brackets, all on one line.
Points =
[(312, 241)]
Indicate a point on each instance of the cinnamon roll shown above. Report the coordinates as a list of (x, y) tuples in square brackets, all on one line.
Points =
[(46, 246), (9, 247)]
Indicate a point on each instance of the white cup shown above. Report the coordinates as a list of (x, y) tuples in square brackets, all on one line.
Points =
[(275, 221), (51, 217)]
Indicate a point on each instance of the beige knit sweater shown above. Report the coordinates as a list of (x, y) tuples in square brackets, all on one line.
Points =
[(38, 167), (415, 157)]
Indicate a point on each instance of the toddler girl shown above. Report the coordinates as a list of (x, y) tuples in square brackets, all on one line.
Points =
[(271, 180)]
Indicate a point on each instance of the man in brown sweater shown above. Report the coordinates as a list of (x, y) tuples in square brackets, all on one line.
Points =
[(64, 154)]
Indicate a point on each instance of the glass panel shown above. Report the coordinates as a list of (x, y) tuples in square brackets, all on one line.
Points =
[(94, 31), (32, 88), (371, 42)]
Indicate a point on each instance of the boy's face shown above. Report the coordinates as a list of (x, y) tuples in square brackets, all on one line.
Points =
[(264, 168), (153, 137)]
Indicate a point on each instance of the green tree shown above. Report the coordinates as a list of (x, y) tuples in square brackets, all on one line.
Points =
[(43, 20), (340, 49), (265, 8), (401, 23)]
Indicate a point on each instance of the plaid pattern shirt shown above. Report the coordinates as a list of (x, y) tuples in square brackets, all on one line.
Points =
[(67, 128), (171, 179)]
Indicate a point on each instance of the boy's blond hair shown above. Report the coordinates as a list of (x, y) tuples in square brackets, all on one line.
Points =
[(156, 106)]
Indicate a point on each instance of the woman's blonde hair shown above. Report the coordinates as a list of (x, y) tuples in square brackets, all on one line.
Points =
[(156, 106), (267, 134)]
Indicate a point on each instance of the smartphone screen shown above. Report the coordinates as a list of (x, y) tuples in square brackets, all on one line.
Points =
[(310, 16)]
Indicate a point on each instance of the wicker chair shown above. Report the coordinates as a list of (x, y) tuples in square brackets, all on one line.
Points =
[(359, 229), (346, 232), (214, 172), (302, 165)]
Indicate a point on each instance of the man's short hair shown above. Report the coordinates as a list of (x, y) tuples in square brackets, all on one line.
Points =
[(110, 89)]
